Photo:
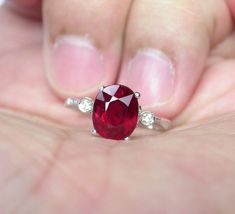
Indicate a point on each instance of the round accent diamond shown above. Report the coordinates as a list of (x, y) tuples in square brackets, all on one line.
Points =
[(86, 105), (115, 113), (147, 118)]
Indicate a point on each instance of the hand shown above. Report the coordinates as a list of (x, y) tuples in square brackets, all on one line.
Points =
[(50, 163)]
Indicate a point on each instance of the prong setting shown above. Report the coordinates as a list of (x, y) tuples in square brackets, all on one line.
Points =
[(147, 119), (140, 111), (105, 107), (150, 127), (86, 105), (102, 88), (137, 95), (94, 132)]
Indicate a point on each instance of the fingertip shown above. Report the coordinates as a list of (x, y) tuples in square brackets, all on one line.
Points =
[(169, 69), (81, 53)]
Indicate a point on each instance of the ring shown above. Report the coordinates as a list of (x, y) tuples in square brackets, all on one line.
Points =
[(116, 112)]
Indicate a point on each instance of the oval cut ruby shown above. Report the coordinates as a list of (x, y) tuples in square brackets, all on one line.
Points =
[(115, 112)]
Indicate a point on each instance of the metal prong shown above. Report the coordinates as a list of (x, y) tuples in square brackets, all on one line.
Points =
[(150, 127), (137, 95), (93, 131), (140, 110), (71, 102), (102, 88), (127, 139)]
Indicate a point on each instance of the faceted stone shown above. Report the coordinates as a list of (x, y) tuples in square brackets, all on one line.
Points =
[(147, 118), (85, 105), (115, 112)]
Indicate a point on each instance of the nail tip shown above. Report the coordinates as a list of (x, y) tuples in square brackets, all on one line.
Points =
[(74, 40)]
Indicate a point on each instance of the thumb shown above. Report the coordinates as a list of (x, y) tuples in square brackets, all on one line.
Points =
[(167, 46)]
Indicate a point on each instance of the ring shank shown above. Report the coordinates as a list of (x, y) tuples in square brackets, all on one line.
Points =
[(162, 123)]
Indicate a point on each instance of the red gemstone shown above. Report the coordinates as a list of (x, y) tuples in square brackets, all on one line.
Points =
[(115, 112)]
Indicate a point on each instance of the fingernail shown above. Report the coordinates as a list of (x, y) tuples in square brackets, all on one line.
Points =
[(76, 65), (152, 74)]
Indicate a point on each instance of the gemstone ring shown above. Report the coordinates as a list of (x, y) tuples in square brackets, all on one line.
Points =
[(116, 112)]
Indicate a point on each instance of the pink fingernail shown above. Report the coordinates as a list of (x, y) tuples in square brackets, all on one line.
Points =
[(77, 65), (151, 73)]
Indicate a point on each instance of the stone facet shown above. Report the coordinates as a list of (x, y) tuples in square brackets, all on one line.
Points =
[(147, 118), (85, 105), (115, 112)]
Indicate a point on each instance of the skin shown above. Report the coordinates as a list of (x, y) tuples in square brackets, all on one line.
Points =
[(50, 163)]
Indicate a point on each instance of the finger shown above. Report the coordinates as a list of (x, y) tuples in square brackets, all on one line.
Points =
[(167, 44), (218, 78), (30, 8), (231, 5), (224, 50), (83, 43), (21, 72)]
